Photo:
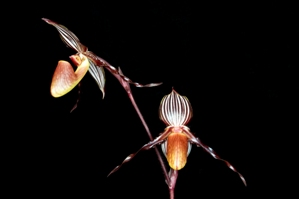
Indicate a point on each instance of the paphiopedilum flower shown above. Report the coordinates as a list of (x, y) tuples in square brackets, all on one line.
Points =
[(176, 140), (65, 79)]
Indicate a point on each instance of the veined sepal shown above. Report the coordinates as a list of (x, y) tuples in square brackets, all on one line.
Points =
[(175, 110), (67, 36)]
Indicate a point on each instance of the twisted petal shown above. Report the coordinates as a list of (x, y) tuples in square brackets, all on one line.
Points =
[(65, 79), (98, 74), (208, 149), (175, 109), (126, 79), (147, 146), (69, 38)]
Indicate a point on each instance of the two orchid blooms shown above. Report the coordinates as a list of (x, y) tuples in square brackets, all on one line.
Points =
[(175, 110)]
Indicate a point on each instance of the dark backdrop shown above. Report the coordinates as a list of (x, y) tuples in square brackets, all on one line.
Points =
[(235, 62)]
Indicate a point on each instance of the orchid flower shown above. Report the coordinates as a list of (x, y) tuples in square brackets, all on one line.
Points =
[(65, 79), (176, 140)]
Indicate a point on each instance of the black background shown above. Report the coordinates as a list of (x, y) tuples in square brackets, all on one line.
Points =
[(236, 63)]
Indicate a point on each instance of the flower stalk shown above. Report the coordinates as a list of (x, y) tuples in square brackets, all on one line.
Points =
[(176, 140), (175, 110)]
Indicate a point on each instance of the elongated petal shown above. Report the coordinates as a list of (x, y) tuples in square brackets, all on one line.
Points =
[(65, 79), (175, 109), (116, 72), (213, 153), (147, 146), (98, 74), (69, 38), (135, 83)]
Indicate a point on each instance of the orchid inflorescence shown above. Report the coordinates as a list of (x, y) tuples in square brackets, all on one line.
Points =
[(175, 110)]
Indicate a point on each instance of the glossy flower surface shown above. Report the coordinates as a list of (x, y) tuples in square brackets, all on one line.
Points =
[(176, 112), (176, 140)]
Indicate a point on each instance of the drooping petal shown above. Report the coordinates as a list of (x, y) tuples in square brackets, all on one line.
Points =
[(98, 74), (147, 146), (69, 38), (135, 83), (175, 109), (100, 62), (208, 149), (65, 79)]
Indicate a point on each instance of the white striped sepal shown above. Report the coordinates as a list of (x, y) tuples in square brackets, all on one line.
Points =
[(175, 110)]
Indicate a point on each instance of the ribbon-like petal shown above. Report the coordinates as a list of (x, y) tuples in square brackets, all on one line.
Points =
[(147, 146), (209, 150)]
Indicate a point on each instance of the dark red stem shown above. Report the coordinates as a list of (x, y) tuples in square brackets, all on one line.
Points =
[(127, 87), (173, 175)]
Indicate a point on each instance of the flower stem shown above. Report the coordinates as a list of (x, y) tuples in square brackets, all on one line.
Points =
[(149, 135), (173, 175), (127, 88)]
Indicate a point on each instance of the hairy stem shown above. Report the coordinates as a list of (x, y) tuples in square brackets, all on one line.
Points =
[(173, 175)]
